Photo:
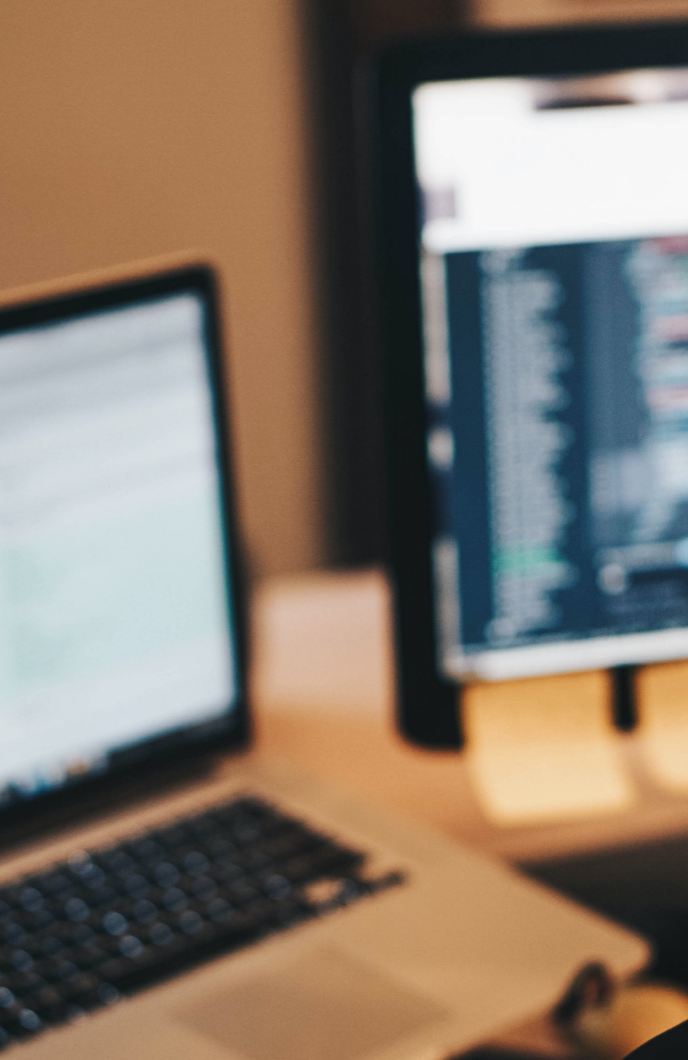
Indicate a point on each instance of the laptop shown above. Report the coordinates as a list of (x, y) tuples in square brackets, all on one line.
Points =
[(164, 890)]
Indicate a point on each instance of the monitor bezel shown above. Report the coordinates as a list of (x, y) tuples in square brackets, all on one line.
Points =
[(185, 749), (428, 705)]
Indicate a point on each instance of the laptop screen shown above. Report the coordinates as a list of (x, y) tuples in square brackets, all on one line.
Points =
[(554, 277), (114, 605)]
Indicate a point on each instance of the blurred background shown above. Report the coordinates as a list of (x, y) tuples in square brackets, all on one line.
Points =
[(131, 129)]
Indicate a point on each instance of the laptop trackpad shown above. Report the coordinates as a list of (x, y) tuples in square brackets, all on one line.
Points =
[(324, 1006)]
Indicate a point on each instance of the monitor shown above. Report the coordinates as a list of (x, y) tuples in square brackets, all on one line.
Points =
[(118, 637), (535, 271)]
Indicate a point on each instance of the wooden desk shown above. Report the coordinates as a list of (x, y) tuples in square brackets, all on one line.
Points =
[(323, 695)]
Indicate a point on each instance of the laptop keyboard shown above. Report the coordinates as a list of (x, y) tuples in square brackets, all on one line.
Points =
[(109, 922)]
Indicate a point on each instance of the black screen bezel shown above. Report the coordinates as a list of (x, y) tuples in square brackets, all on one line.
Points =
[(187, 747), (427, 704)]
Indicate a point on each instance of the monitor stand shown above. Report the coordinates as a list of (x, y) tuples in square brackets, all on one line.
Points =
[(545, 749), (624, 698), (662, 696)]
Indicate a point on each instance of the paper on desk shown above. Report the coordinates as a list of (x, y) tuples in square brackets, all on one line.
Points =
[(662, 697), (543, 749)]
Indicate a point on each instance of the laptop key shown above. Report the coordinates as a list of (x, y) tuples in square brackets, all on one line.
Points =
[(13, 934), (103, 896), (204, 888), (147, 850), (160, 934), (52, 883), (89, 956)]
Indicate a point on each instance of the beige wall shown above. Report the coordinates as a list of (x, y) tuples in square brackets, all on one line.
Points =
[(134, 127)]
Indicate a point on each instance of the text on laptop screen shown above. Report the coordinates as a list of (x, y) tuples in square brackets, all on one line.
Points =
[(554, 277), (114, 626)]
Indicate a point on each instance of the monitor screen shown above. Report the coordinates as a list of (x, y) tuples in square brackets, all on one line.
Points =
[(554, 278), (115, 626)]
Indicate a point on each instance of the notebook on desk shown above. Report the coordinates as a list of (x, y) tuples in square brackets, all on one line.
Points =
[(250, 913)]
